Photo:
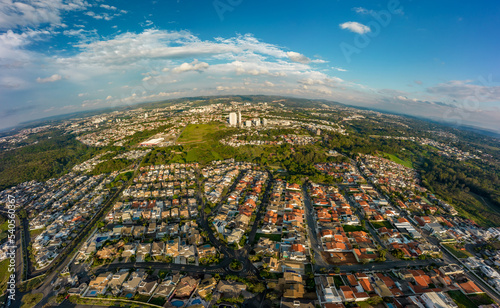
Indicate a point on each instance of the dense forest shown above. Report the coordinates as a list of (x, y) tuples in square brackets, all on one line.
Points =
[(54, 155)]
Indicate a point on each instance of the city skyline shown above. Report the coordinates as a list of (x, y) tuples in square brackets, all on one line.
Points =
[(426, 59)]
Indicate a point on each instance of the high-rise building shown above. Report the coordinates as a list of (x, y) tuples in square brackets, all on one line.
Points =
[(256, 122), (239, 118), (248, 123), (264, 121), (233, 119)]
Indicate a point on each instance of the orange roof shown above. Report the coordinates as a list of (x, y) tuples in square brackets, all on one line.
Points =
[(367, 286), (361, 295), (298, 247), (396, 292), (335, 245), (347, 291), (419, 280), (470, 287), (352, 280)]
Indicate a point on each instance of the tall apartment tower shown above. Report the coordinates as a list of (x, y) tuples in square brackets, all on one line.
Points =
[(239, 118), (233, 119)]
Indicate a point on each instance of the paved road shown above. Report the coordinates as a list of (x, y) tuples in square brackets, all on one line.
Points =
[(46, 288), (449, 258), (314, 240)]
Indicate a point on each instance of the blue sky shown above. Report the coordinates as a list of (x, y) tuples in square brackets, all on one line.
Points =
[(434, 59)]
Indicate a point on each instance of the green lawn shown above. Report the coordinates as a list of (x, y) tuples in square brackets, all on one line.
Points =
[(473, 301), (348, 228), (338, 281), (397, 160), (194, 133), (36, 232), (461, 254), (30, 300), (380, 224), (273, 237), (4, 225), (4, 275)]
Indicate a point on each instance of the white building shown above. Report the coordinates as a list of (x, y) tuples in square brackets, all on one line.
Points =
[(437, 300), (233, 119)]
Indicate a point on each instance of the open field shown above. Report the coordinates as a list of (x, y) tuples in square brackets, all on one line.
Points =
[(461, 254), (273, 237), (464, 301), (194, 133), (36, 232), (4, 275), (30, 300), (4, 224), (339, 258), (397, 160), (380, 224), (348, 228)]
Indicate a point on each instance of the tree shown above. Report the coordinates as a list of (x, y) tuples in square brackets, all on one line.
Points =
[(375, 300), (258, 288)]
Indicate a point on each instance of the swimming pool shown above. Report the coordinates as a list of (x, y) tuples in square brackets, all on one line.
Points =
[(177, 303), (196, 301), (100, 239)]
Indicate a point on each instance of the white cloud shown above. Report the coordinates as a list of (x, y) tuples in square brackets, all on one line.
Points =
[(319, 61), (14, 14), (362, 10), (356, 27), (108, 7), (311, 81), (339, 69), (193, 66), (465, 90), (297, 57), (52, 78), (269, 84)]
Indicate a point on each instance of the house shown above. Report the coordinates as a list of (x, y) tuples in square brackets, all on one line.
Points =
[(437, 300), (186, 286), (469, 287), (172, 248), (115, 284), (99, 284), (165, 288), (206, 251), (129, 250), (134, 280), (206, 286), (146, 287), (143, 249), (230, 289), (157, 249), (297, 303), (326, 290)]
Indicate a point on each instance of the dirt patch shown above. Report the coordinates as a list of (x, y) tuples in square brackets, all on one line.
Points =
[(339, 258)]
